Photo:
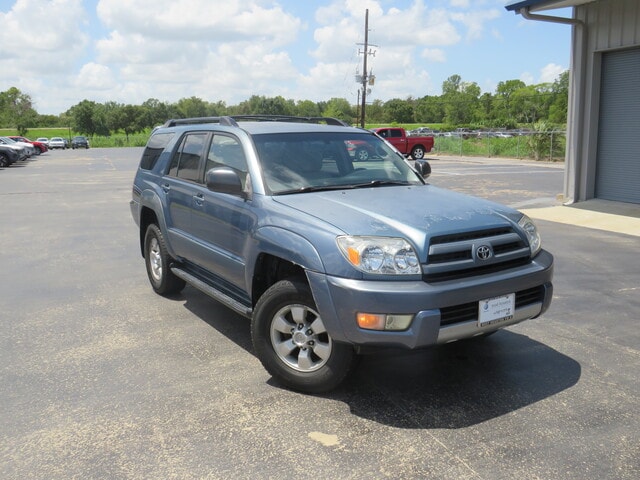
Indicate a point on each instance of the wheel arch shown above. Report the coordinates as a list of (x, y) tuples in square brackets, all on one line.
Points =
[(280, 254), (151, 211)]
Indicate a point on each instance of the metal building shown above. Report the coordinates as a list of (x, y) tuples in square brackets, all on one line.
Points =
[(603, 124)]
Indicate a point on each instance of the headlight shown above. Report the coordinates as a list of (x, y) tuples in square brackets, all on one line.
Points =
[(382, 255), (533, 236)]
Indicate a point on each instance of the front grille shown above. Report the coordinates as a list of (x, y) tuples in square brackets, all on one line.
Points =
[(469, 311), (452, 257)]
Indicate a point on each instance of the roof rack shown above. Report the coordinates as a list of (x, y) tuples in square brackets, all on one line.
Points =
[(290, 118), (231, 121), (228, 121)]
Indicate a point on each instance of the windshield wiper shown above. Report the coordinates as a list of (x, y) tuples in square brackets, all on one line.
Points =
[(349, 186), (379, 183), (313, 188)]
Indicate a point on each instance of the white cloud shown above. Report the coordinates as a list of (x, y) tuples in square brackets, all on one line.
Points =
[(93, 76), (527, 78), (434, 55), (551, 72), (36, 38)]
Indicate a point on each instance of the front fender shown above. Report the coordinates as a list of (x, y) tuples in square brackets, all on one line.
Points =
[(284, 244)]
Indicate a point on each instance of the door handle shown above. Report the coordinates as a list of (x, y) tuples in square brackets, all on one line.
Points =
[(166, 187), (199, 199)]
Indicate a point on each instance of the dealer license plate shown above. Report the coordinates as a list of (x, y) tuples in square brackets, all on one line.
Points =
[(496, 310)]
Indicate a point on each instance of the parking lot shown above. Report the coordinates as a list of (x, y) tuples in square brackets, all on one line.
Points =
[(101, 378)]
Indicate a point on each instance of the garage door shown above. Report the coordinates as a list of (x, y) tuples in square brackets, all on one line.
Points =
[(618, 157)]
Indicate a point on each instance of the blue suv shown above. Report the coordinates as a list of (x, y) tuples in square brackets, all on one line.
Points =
[(275, 218)]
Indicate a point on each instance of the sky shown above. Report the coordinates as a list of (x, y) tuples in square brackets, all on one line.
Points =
[(61, 52)]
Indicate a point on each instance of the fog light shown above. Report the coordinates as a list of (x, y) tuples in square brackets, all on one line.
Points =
[(377, 321), (398, 322)]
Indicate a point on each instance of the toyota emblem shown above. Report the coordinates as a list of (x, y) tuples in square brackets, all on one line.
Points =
[(483, 252)]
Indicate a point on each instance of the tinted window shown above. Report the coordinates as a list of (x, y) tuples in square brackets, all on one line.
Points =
[(227, 151), (186, 161), (300, 162), (155, 146)]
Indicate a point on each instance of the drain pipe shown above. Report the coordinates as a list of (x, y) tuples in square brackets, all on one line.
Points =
[(526, 13), (573, 166)]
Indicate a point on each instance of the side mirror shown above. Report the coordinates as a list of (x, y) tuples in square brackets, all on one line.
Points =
[(423, 168), (224, 180)]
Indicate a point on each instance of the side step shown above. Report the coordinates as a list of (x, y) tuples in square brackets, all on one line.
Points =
[(212, 292)]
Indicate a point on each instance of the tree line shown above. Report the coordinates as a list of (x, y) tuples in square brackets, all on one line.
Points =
[(461, 104)]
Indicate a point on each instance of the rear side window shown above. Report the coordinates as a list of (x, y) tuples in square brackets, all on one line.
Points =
[(186, 161), (155, 146)]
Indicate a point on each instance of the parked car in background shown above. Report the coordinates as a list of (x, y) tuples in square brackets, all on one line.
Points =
[(44, 140), (57, 142), (40, 147), (79, 142), (29, 149), (8, 155), (416, 146), (20, 151)]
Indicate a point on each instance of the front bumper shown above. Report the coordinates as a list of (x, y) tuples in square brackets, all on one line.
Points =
[(339, 299)]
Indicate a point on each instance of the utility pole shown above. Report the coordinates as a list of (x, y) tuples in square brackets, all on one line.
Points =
[(366, 78), (364, 68)]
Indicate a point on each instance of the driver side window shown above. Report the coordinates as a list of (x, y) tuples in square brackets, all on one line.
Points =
[(226, 151)]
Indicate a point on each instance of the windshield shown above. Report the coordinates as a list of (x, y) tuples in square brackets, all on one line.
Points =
[(300, 162)]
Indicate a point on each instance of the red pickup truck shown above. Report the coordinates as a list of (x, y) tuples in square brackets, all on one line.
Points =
[(408, 145)]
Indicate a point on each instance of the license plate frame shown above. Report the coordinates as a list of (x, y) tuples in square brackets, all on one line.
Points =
[(496, 309)]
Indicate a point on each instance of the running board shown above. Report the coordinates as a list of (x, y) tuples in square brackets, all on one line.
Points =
[(212, 292)]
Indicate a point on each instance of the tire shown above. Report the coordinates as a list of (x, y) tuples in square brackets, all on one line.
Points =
[(292, 343), (417, 153), (4, 161), (362, 155), (157, 261)]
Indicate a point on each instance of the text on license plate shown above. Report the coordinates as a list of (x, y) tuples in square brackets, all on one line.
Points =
[(496, 309)]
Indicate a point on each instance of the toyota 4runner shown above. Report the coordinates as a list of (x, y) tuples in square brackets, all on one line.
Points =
[(272, 217)]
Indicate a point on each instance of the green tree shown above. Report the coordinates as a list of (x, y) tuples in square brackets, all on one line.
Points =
[(191, 107), (339, 108), (16, 110), (399, 111), (126, 118), (460, 100), (429, 109), (87, 117), (560, 99), (375, 112), (307, 108)]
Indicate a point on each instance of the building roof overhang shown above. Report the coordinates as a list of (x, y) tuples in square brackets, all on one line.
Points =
[(542, 5)]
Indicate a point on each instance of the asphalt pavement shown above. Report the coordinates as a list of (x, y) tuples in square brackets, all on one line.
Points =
[(101, 378)]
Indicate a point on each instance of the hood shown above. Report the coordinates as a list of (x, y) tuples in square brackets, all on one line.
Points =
[(414, 212)]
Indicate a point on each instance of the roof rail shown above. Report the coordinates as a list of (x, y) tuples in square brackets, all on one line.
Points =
[(290, 118), (231, 121), (228, 121)]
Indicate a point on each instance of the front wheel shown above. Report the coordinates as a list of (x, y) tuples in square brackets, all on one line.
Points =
[(292, 342), (157, 261), (417, 153)]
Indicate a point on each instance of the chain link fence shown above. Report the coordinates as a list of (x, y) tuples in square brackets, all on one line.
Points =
[(544, 146)]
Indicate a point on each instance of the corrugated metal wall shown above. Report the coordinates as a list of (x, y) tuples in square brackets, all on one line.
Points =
[(618, 156), (599, 146)]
